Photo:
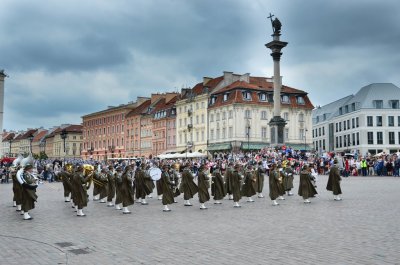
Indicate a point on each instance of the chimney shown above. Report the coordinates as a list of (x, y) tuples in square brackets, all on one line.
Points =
[(245, 78), (155, 97), (169, 96), (140, 100)]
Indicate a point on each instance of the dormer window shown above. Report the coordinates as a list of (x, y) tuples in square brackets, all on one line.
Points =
[(212, 100), (246, 95), (300, 100), (285, 99), (378, 104), (226, 96), (394, 104), (262, 97), (270, 97)]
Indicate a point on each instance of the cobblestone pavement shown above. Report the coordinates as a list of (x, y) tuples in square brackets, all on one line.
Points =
[(361, 229)]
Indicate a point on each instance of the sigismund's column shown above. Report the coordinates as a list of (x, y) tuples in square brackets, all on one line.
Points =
[(2, 77), (277, 123)]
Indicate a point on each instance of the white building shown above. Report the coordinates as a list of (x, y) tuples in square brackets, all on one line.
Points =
[(241, 106), (368, 121)]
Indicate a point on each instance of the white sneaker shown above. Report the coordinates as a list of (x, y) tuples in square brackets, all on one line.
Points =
[(80, 213), (230, 197), (110, 204), (337, 198), (143, 202), (236, 205), (166, 209), (139, 200), (187, 203), (125, 210), (217, 202), (260, 195), (14, 204), (250, 199), (149, 196), (281, 198), (275, 203), (159, 197), (307, 201), (290, 193), (118, 207), (27, 216), (66, 199)]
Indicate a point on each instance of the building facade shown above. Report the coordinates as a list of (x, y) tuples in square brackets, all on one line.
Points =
[(367, 122)]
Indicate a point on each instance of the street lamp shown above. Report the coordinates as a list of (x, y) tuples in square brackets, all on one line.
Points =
[(305, 140), (30, 138), (111, 148), (248, 135), (63, 135)]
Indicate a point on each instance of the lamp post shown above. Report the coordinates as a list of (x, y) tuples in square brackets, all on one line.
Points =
[(305, 140), (30, 138), (91, 151), (63, 135), (248, 135), (111, 149), (10, 142)]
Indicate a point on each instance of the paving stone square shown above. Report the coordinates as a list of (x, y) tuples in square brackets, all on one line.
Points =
[(361, 229)]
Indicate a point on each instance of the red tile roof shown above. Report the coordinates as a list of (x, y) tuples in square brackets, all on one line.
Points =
[(39, 136), (141, 109)]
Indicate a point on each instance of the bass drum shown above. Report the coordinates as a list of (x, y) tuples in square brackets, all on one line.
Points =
[(155, 173)]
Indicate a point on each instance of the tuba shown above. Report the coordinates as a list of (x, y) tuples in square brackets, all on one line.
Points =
[(88, 171)]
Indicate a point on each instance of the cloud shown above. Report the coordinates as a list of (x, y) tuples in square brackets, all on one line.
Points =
[(70, 58)]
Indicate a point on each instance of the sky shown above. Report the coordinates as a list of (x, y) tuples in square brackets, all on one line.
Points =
[(66, 59)]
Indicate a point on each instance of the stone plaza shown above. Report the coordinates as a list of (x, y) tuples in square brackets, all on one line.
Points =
[(361, 229)]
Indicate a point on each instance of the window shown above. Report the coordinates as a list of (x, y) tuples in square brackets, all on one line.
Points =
[(197, 119), (340, 111), (379, 121), (379, 136), (247, 114), (300, 101), (336, 127), (370, 121), (344, 125), (323, 144), (202, 105), (286, 133), (212, 101), (212, 134), (353, 106), (262, 97), (211, 117), (226, 96), (313, 134), (202, 135), (337, 142), (217, 117), (353, 123), (391, 138), (340, 126), (344, 140), (378, 104), (224, 115), (285, 99), (202, 118), (319, 131), (263, 132), (391, 121), (230, 114), (246, 95), (346, 109), (357, 122), (394, 104), (399, 137), (353, 136), (301, 117), (247, 130), (230, 132), (301, 133), (358, 138), (197, 105), (263, 115), (223, 133), (323, 130), (348, 124), (286, 116)]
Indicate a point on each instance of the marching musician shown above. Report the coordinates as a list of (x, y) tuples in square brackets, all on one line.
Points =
[(66, 176), (188, 187), (174, 178), (79, 187), (236, 182), (249, 186), (306, 188), (274, 190), (334, 181), (217, 185), (228, 180), (281, 178), (29, 185), (102, 180), (118, 184), (127, 191), (288, 179), (96, 185), (159, 189), (17, 188), (111, 186), (165, 184), (260, 179), (203, 185), (142, 180)]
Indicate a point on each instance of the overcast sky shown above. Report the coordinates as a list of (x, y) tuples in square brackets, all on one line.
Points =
[(66, 59)]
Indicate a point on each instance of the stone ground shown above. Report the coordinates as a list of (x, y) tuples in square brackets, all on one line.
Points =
[(361, 229)]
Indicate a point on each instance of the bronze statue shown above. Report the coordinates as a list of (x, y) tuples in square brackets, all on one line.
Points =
[(276, 24)]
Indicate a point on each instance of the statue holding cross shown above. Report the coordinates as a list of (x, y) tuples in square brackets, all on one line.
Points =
[(276, 24)]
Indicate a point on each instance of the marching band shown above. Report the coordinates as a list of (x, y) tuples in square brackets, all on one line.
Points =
[(121, 185)]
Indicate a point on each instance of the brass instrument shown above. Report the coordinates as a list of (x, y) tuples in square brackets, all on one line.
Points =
[(69, 168), (88, 171)]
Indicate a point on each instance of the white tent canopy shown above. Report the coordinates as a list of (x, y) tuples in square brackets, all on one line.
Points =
[(184, 155)]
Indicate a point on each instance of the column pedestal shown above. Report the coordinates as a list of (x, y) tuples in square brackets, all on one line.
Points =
[(277, 126)]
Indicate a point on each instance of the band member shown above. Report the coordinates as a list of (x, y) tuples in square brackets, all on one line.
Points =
[(260, 179), (96, 186), (165, 184), (159, 189), (274, 190), (118, 184), (111, 186), (66, 176), (281, 187), (203, 184), (228, 180), (102, 180), (29, 184), (174, 178), (249, 186), (288, 179), (236, 182), (79, 187), (334, 181), (127, 191), (306, 188), (142, 184), (217, 185), (188, 187), (17, 188)]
